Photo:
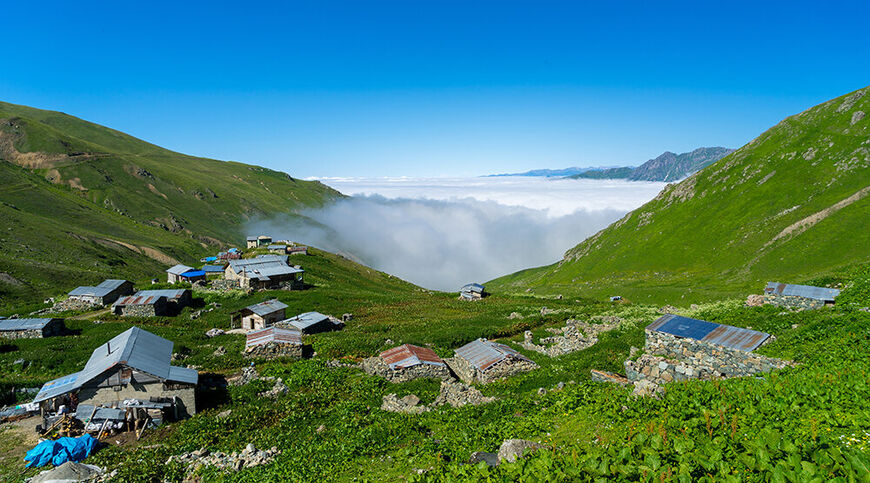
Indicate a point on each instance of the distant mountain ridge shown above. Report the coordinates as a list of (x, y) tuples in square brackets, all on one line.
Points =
[(667, 166), (554, 173)]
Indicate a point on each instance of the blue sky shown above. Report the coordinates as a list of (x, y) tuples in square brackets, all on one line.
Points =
[(436, 88)]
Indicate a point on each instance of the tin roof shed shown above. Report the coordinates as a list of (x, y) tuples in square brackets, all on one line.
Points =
[(408, 355), (473, 288), (268, 307), (273, 334), (719, 334), (179, 269), (8, 325), (483, 354), (807, 291), (306, 320)]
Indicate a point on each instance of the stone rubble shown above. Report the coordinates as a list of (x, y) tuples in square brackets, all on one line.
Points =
[(792, 302), (248, 374), (277, 390), (214, 333), (455, 394), (576, 336), (235, 461), (375, 366), (514, 449), (409, 404)]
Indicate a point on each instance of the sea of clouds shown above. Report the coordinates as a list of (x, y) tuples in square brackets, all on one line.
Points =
[(441, 233)]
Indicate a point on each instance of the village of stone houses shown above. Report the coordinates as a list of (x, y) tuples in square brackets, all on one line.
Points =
[(238, 341)]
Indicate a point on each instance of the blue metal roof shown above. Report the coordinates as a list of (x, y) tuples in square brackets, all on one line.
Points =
[(719, 334), (473, 287), (23, 324), (193, 273), (806, 291), (212, 269)]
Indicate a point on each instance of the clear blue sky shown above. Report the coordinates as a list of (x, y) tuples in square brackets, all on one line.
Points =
[(434, 88)]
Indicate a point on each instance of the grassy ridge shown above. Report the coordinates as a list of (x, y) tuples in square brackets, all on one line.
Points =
[(790, 205), (73, 188)]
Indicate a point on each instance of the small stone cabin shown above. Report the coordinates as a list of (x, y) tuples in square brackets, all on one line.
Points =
[(274, 343), (486, 361), (174, 273), (105, 293), (265, 272), (680, 348), (258, 241), (31, 328), (153, 303), (132, 365), (261, 315), (472, 291), (407, 362), (313, 323), (799, 296)]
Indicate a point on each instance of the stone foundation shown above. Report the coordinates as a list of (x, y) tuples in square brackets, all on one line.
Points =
[(21, 334), (142, 310), (504, 368), (375, 366), (275, 350), (576, 336), (793, 302)]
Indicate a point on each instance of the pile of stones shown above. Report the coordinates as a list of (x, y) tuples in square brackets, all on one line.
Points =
[(248, 374), (247, 458), (509, 452), (68, 304), (376, 366), (452, 393), (575, 336), (274, 350)]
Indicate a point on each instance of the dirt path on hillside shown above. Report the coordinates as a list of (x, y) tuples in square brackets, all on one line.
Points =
[(90, 314)]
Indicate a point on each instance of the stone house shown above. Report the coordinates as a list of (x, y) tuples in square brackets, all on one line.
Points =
[(486, 361), (105, 293), (265, 272), (407, 362), (799, 296), (274, 343), (680, 348), (297, 250), (258, 241), (312, 323), (133, 365), (278, 249), (152, 303), (472, 291), (174, 273), (261, 315), (31, 328)]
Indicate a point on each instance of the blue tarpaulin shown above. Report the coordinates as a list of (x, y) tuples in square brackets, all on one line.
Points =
[(60, 451)]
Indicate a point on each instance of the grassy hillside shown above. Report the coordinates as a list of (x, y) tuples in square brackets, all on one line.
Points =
[(76, 194), (790, 205)]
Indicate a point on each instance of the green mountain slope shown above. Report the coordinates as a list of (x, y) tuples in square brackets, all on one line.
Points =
[(666, 167), (790, 205), (81, 202)]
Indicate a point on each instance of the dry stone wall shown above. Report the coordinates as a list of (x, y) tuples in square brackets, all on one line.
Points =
[(21, 334), (793, 301), (505, 368), (274, 350), (376, 366)]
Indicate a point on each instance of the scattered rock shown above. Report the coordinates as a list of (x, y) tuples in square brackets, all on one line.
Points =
[(407, 404), (515, 315), (645, 388), (68, 471), (458, 394), (321, 428), (755, 300), (247, 458), (221, 350), (248, 374), (490, 459), (576, 336), (278, 389), (857, 116), (224, 414), (514, 449), (214, 332), (668, 309)]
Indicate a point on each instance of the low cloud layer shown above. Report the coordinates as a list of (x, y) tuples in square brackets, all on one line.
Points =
[(441, 234)]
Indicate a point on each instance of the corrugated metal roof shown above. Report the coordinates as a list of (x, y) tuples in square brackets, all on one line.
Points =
[(137, 300), (212, 269), (135, 348), (179, 269), (806, 291), (719, 334), (101, 290), (170, 294), (23, 324), (183, 374), (303, 321), (252, 238), (273, 334), (483, 353), (267, 307), (408, 355), (277, 247), (473, 287), (264, 266)]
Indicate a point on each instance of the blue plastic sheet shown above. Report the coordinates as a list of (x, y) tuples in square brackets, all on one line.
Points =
[(60, 451)]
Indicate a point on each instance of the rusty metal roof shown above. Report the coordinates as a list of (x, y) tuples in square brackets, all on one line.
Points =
[(408, 355), (719, 334), (483, 353), (806, 291), (273, 334), (138, 300)]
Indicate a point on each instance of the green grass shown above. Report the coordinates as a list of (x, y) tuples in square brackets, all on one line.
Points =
[(715, 234), (97, 186)]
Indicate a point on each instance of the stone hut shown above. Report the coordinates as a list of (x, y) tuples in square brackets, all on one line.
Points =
[(256, 241), (105, 293), (472, 291), (680, 348), (297, 250), (274, 343), (407, 362), (31, 328), (261, 315), (134, 365), (799, 296), (486, 361), (152, 303), (265, 272), (313, 323)]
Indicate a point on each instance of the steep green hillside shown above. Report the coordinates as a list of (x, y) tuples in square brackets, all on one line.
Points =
[(790, 205), (666, 167), (81, 201)]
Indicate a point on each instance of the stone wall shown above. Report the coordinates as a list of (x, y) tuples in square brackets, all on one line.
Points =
[(504, 368), (274, 350), (143, 310), (376, 366), (792, 301), (21, 334), (668, 358)]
